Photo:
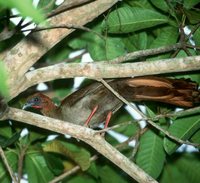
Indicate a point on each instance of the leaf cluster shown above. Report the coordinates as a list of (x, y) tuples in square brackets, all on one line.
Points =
[(130, 25)]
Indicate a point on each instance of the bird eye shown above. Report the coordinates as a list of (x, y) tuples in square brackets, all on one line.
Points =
[(36, 99)]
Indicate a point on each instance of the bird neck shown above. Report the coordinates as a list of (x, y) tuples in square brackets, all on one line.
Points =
[(50, 110)]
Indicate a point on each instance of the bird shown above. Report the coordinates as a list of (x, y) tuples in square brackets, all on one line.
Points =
[(94, 103)]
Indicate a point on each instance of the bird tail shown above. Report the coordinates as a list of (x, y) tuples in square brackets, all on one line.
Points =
[(179, 92)]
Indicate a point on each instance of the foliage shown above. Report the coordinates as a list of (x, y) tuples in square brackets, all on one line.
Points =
[(130, 25), (25, 8), (3, 80)]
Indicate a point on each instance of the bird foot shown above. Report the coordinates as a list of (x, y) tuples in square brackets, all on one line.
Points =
[(108, 117)]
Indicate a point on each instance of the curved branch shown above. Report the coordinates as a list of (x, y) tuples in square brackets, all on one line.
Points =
[(105, 70), (20, 58), (85, 134)]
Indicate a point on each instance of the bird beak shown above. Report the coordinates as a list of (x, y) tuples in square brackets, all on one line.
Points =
[(27, 105)]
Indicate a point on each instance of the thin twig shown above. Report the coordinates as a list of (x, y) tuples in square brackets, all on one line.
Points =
[(148, 52), (7, 165), (137, 143), (22, 153), (178, 114), (192, 46), (149, 121), (192, 32), (66, 26), (70, 172)]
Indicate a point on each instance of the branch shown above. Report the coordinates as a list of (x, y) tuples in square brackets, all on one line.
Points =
[(85, 134), (21, 156), (20, 58), (104, 70), (67, 5), (147, 52), (5, 161)]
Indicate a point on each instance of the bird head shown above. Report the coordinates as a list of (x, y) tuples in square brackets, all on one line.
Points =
[(38, 101)]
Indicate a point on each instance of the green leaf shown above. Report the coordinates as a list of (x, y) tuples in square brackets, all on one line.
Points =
[(12, 158), (188, 4), (78, 155), (195, 77), (4, 90), (151, 156), (162, 5), (189, 165), (196, 137), (167, 36), (196, 37), (107, 49), (80, 40), (137, 41), (5, 130), (140, 3), (8, 141), (81, 179), (25, 8), (92, 170), (109, 175), (193, 16), (181, 168), (123, 117), (54, 163), (36, 168), (182, 128), (46, 5), (126, 19), (58, 53)]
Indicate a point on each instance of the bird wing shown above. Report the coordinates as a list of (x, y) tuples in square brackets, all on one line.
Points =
[(79, 94)]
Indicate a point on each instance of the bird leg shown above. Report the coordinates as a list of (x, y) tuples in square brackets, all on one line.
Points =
[(91, 115), (108, 117)]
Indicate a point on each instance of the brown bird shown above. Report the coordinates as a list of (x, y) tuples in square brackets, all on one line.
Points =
[(95, 103)]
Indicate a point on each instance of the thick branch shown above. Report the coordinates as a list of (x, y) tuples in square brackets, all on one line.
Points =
[(87, 135), (105, 70), (19, 59)]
